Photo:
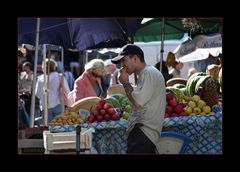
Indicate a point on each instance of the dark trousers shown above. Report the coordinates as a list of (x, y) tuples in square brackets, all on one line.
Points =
[(138, 142), (27, 100)]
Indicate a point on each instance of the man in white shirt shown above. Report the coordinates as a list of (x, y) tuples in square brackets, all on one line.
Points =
[(54, 104), (148, 99)]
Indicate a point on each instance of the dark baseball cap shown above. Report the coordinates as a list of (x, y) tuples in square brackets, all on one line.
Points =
[(129, 49)]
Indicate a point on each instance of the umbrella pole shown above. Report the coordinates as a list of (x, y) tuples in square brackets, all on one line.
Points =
[(45, 91), (32, 113), (62, 55), (162, 43)]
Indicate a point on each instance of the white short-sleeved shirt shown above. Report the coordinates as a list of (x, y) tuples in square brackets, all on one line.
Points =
[(53, 94), (150, 93)]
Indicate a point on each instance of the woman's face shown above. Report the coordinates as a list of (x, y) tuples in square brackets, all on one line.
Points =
[(179, 66), (98, 72)]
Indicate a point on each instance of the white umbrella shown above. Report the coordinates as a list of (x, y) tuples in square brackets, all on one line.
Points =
[(199, 48)]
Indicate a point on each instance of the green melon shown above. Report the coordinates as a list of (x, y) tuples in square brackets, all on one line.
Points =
[(179, 85), (118, 96), (113, 101)]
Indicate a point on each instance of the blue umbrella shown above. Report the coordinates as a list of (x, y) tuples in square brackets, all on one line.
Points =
[(52, 31), (80, 33)]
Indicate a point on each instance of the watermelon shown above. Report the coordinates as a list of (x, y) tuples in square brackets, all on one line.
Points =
[(179, 85), (192, 81), (170, 89), (201, 82), (113, 102), (118, 96)]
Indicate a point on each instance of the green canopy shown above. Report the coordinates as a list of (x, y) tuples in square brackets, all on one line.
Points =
[(175, 29), (151, 30)]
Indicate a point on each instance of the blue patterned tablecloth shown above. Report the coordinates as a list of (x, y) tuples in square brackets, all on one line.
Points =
[(205, 132), (109, 137)]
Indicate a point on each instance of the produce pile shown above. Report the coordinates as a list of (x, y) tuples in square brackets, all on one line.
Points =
[(68, 117), (200, 96), (112, 108)]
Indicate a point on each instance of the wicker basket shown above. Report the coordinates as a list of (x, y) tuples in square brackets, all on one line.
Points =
[(85, 103), (174, 81), (116, 89)]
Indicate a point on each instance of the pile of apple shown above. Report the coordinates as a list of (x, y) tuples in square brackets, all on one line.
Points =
[(103, 112), (197, 106), (173, 107)]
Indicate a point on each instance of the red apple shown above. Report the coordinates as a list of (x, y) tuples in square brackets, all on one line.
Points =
[(102, 111), (173, 102), (169, 110), (107, 117), (99, 118), (178, 108), (174, 115), (98, 107), (183, 114), (111, 111), (115, 117), (91, 118), (95, 113), (106, 106), (169, 96), (101, 102)]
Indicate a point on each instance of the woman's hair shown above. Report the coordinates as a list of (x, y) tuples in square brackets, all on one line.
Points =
[(95, 64), (171, 60), (52, 63)]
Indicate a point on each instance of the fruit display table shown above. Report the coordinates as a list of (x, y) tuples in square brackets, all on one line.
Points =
[(205, 132)]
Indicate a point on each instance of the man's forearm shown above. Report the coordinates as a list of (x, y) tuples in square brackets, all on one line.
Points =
[(129, 89)]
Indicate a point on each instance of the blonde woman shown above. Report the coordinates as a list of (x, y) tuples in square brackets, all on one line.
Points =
[(89, 83)]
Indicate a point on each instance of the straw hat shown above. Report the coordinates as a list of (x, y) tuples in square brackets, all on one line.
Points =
[(118, 88)]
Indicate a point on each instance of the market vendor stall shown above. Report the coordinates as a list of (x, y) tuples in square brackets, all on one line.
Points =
[(199, 122), (204, 131)]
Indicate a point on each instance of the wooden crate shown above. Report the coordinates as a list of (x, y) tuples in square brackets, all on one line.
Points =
[(28, 143), (66, 140), (30, 146)]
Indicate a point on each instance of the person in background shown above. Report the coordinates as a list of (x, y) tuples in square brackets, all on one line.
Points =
[(21, 53), (75, 69), (89, 83), (148, 99), (107, 80), (69, 77), (176, 71), (176, 66), (54, 104), (23, 116), (191, 71), (25, 85), (110, 70), (213, 69), (165, 71)]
